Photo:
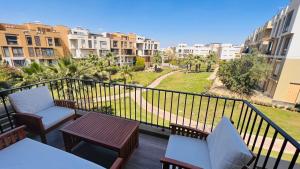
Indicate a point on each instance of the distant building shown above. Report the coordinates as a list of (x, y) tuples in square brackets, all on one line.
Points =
[(229, 51), (25, 43), (123, 46), (82, 43), (223, 51), (279, 40), (146, 48)]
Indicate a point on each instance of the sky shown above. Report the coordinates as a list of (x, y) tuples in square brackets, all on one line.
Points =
[(169, 21)]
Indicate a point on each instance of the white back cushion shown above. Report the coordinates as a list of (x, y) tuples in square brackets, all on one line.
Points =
[(226, 148), (32, 100)]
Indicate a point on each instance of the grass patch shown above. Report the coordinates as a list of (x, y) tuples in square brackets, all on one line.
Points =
[(144, 78), (186, 82)]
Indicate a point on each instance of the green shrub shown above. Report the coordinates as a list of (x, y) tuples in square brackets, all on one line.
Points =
[(243, 75), (140, 64)]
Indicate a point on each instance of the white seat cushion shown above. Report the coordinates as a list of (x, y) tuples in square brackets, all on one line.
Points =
[(189, 150), (30, 154), (32, 100), (226, 148), (54, 114)]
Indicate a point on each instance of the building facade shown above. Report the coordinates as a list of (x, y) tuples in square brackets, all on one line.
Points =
[(281, 46), (229, 51), (146, 48), (123, 46), (82, 43), (223, 51), (23, 44)]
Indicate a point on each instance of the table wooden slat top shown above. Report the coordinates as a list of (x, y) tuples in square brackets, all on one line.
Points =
[(103, 129)]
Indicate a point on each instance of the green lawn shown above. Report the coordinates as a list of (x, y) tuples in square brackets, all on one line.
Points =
[(186, 82), (144, 78)]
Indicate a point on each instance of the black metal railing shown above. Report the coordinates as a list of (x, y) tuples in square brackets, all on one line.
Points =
[(158, 108)]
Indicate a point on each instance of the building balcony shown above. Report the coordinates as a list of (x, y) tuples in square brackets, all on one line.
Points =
[(156, 109)]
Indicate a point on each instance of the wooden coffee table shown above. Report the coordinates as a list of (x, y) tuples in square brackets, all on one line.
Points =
[(114, 133)]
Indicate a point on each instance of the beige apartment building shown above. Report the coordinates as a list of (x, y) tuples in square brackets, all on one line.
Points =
[(123, 46), (22, 44), (279, 39)]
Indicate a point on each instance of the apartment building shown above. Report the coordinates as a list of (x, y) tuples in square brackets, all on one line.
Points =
[(123, 46), (202, 50), (283, 52), (82, 43), (22, 44), (223, 51), (183, 50), (229, 51), (146, 48)]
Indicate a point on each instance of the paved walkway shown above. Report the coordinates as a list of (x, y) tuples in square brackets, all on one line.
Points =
[(171, 117)]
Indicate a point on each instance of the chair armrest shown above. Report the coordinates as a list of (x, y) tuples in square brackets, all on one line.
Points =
[(65, 103), (188, 131), (175, 163), (118, 164), (12, 136), (33, 122)]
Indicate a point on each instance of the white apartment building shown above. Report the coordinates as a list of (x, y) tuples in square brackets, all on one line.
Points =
[(224, 51), (229, 51), (283, 52), (82, 43), (183, 50), (202, 50), (146, 48)]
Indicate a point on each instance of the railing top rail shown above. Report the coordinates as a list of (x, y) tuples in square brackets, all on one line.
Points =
[(275, 126)]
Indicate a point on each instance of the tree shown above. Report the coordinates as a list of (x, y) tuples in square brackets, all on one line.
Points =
[(140, 64), (125, 72), (110, 59), (157, 59), (33, 73), (188, 61), (211, 60), (198, 61), (9, 76), (243, 75)]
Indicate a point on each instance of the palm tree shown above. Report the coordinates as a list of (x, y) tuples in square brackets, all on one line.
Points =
[(189, 61), (110, 59), (198, 61), (126, 72), (33, 73)]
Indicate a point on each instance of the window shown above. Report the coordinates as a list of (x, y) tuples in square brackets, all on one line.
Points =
[(38, 52), (115, 44), (17, 52), (47, 52), (37, 41), (90, 44), (11, 39), (57, 42), (29, 40), (50, 41), (278, 27), (31, 52), (288, 21), (6, 52), (102, 44), (95, 43), (285, 46), (19, 62), (279, 47), (276, 70)]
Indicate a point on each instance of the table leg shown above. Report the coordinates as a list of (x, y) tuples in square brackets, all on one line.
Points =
[(70, 141)]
